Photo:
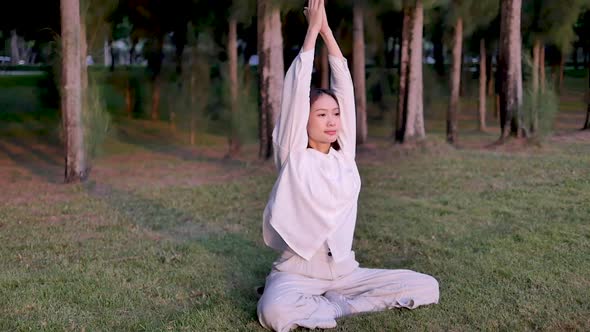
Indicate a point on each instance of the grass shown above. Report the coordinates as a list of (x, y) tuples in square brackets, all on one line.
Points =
[(167, 236)]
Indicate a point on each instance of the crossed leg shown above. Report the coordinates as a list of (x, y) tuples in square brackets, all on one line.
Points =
[(292, 300)]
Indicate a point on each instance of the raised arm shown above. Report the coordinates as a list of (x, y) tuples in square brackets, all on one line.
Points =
[(341, 84), (290, 132)]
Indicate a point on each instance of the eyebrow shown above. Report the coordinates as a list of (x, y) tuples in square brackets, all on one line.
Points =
[(325, 109)]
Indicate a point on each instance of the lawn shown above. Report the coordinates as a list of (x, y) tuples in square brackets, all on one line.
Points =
[(167, 236)]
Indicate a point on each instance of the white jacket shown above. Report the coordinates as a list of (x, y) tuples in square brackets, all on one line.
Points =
[(314, 200)]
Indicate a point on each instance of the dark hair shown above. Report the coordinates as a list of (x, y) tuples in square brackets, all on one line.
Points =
[(314, 94)]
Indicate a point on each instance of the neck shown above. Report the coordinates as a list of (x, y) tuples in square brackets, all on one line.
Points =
[(321, 147)]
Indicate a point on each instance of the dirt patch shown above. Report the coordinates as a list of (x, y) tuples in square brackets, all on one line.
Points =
[(580, 136), (32, 172)]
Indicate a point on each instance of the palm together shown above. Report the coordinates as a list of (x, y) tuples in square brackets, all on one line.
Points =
[(316, 16)]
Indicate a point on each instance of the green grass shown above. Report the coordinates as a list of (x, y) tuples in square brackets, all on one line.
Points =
[(506, 234)]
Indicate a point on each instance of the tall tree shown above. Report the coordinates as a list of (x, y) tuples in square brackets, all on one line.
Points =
[(358, 69), (153, 19), (403, 74), (587, 122), (549, 22), (455, 81), (465, 17), (510, 69), (271, 68), (414, 115), (76, 169), (239, 12)]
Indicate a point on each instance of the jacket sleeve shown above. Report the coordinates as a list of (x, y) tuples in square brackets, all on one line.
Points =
[(341, 84), (290, 132)]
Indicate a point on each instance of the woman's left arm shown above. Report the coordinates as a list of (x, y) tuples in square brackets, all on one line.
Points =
[(341, 84)]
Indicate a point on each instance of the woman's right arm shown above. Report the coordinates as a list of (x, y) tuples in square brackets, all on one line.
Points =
[(290, 132)]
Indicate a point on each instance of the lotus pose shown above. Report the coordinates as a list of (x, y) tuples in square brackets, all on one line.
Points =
[(311, 214)]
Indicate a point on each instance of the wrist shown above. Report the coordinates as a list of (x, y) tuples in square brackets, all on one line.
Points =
[(326, 32), (313, 30)]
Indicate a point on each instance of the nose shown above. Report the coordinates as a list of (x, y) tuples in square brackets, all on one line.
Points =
[(331, 121)]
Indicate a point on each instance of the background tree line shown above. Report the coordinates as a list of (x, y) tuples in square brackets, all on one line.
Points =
[(389, 44)]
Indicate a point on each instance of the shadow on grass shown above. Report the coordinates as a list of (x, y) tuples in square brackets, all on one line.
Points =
[(38, 161), (155, 141), (244, 263)]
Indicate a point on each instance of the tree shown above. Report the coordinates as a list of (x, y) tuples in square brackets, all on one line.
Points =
[(239, 11), (587, 122), (153, 19), (414, 104), (271, 69), (510, 69), (403, 75), (549, 22), (358, 69), (76, 169), (455, 81), (466, 16)]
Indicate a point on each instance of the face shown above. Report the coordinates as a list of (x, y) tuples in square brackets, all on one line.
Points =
[(323, 124)]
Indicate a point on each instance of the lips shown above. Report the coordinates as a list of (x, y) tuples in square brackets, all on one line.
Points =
[(330, 132)]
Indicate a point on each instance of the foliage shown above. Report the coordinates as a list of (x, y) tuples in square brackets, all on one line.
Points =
[(552, 21), (245, 120), (544, 105), (96, 120)]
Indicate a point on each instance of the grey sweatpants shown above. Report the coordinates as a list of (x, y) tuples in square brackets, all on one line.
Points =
[(291, 299)]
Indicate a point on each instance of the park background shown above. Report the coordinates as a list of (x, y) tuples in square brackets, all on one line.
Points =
[(132, 199)]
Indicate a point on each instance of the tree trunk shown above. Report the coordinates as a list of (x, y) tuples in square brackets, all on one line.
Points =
[(575, 57), (535, 84), (358, 69), (155, 65), (128, 98), (155, 113), (482, 84), (83, 55), (193, 98), (113, 56), (71, 100), (587, 122), (415, 115), (105, 53), (510, 68), (453, 109), (325, 68), (232, 51), (14, 54), (561, 72), (542, 76), (438, 52), (490, 75), (270, 51), (400, 118)]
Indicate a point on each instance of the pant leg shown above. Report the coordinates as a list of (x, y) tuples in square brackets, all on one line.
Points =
[(377, 289), (292, 300)]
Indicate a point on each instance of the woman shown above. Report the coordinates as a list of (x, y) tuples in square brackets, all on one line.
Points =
[(311, 213)]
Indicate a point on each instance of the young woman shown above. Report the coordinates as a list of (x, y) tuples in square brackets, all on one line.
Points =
[(311, 214)]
